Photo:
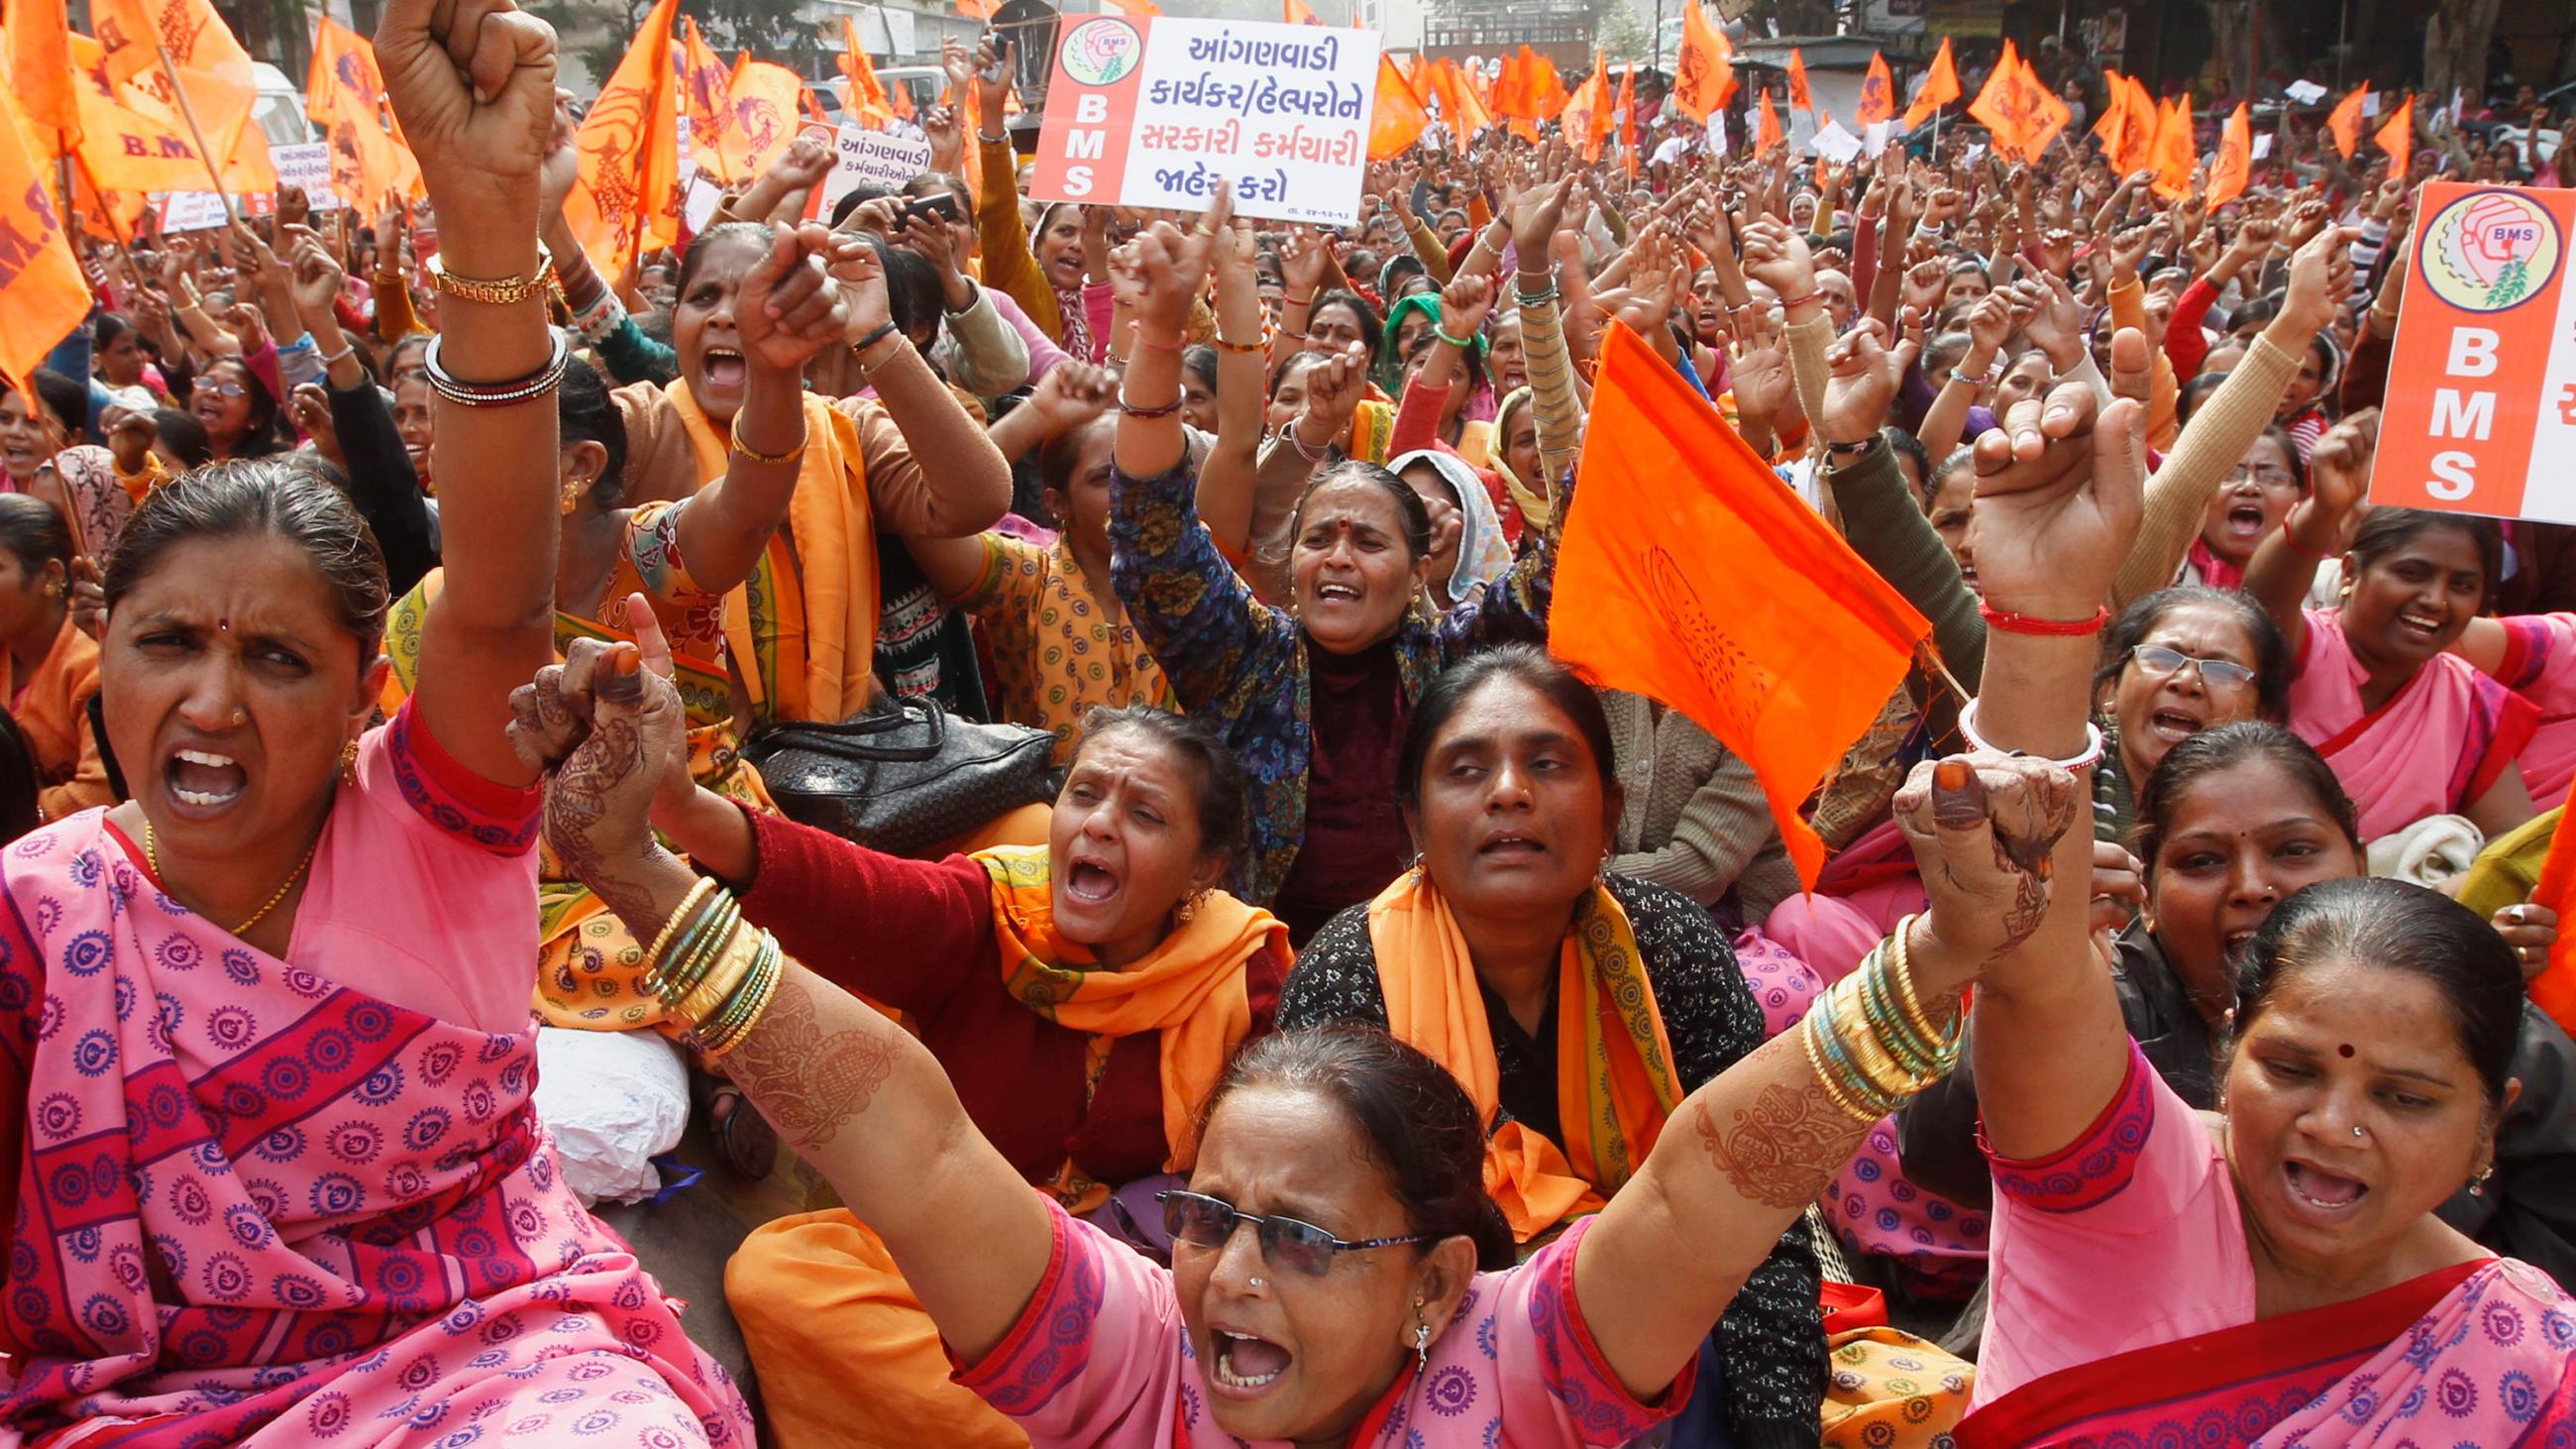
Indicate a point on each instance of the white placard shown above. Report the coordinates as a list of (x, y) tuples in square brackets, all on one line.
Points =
[(2263, 145), (308, 166), (1836, 144), (193, 211), (871, 157), (1717, 132), (688, 158), (2306, 93), (1157, 111), (2370, 104), (698, 202), (1876, 138)]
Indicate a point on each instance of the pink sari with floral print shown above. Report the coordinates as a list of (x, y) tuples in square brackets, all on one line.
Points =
[(307, 1201)]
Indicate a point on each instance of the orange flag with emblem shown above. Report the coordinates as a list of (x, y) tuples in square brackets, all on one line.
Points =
[(1689, 574), (1547, 93), (1397, 117), (121, 149), (1940, 87), (2176, 153), (2127, 129), (2344, 121), (2234, 164), (628, 196), (1799, 95), (344, 95), (211, 67), (1877, 94), (1705, 72), (1766, 127), (1586, 119), (2397, 135), (764, 99), (40, 72), (42, 294), (2018, 109), (867, 96), (706, 99)]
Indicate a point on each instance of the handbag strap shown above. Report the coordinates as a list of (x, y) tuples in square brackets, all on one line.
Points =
[(860, 737)]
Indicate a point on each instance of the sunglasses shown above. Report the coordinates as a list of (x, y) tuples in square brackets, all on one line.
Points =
[(1206, 1222), (2216, 673)]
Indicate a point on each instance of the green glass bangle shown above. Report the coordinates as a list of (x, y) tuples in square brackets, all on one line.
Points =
[(703, 947), (1463, 344)]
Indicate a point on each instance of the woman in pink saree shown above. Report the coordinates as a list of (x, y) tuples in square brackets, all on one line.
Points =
[(2411, 730), (2282, 1276), (265, 1052)]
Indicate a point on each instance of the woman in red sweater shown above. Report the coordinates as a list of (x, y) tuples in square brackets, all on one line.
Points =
[(1082, 996)]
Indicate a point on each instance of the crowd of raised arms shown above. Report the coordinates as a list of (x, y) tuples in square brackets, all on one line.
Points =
[(1366, 1031)]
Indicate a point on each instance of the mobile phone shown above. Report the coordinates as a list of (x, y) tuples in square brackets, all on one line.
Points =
[(938, 206), (1001, 66)]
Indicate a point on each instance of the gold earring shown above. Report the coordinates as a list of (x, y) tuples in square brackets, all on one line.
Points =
[(349, 762), (572, 491), (1188, 910)]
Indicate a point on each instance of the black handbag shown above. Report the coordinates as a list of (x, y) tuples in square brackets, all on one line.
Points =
[(903, 776)]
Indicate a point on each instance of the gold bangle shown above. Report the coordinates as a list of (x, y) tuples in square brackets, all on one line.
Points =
[(701, 949), (495, 291), (743, 1010), (771, 460), (1915, 1016), (687, 907), (732, 963), (1816, 1063)]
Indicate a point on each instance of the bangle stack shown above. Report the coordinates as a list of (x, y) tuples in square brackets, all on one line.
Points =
[(752, 454), (1534, 299), (1869, 1040), (1164, 411), (537, 384), (496, 291), (713, 976)]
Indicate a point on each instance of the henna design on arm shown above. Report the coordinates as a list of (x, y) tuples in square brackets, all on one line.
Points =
[(1781, 1150), (808, 1082)]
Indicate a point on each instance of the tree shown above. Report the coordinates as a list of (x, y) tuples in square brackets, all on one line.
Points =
[(1623, 34), (2456, 39)]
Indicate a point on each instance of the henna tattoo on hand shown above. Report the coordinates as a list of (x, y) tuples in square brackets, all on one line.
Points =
[(580, 802), (1782, 1150), (807, 1082)]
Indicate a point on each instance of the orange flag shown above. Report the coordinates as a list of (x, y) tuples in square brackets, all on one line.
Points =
[(706, 98), (1688, 574), (1940, 87), (2344, 122), (1798, 93), (211, 65), (1628, 119), (1397, 118), (344, 94), (1460, 107), (1766, 129), (42, 295), (2018, 108), (867, 96), (121, 149), (1586, 120), (2175, 152), (1295, 13), (2554, 989), (628, 197), (1877, 94), (975, 10), (1547, 93), (40, 72), (2397, 135), (2234, 164), (764, 100), (1705, 70), (2127, 129)]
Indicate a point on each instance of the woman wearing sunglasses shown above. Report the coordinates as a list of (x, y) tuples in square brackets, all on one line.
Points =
[(1340, 1273), (1511, 953)]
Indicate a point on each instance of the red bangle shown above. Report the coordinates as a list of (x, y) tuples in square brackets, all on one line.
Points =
[(2012, 623), (1788, 302), (1175, 345), (2303, 551)]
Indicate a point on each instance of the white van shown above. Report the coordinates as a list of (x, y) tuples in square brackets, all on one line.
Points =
[(279, 108)]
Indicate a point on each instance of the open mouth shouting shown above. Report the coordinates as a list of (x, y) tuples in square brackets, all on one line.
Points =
[(2173, 725), (1243, 1365), (2324, 1198), (202, 784), (724, 368)]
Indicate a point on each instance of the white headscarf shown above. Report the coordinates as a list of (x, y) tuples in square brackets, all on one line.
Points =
[(1483, 554)]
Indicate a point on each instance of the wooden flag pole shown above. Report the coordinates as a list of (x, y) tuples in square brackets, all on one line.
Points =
[(188, 113)]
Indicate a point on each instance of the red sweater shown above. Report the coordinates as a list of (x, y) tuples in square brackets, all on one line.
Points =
[(917, 936)]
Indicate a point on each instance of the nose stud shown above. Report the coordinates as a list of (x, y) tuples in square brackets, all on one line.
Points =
[(2358, 1132), (240, 717), (1260, 1282)]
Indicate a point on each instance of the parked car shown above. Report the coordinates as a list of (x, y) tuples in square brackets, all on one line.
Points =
[(279, 107)]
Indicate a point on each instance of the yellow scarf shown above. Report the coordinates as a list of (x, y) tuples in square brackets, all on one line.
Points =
[(802, 630), (1615, 1083), (1190, 988)]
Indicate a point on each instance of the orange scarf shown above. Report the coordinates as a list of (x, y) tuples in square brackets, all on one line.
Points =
[(802, 631), (1190, 988), (1615, 1083)]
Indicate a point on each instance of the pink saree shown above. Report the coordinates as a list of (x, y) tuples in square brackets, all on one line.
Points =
[(258, 1202), (2540, 665), (2432, 749)]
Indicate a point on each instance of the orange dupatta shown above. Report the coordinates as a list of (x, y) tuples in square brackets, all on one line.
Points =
[(802, 631), (1615, 1083), (1190, 988)]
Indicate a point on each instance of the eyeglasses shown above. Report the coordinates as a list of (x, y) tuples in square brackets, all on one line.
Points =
[(228, 389), (2264, 473), (1206, 1222), (2216, 673)]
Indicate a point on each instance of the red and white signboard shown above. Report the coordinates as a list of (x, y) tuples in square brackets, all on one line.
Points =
[(1156, 111), (2481, 408)]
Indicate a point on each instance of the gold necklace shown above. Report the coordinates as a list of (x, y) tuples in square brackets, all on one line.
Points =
[(152, 858)]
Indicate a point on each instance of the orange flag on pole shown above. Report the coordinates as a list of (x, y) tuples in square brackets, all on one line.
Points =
[(1295, 13), (42, 294), (1460, 107), (2234, 164), (2175, 153), (344, 95), (1705, 71), (1877, 94), (2017, 107), (1628, 119), (2344, 122), (2397, 135), (1689, 574), (1397, 118), (2127, 129), (1586, 120), (1940, 87), (121, 149), (867, 96), (1766, 128), (706, 98), (764, 100), (213, 74), (628, 196), (1547, 89), (40, 73), (1799, 95)]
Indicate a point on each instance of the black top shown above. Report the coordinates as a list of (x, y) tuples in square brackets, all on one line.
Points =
[(2527, 1211), (1771, 1339)]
